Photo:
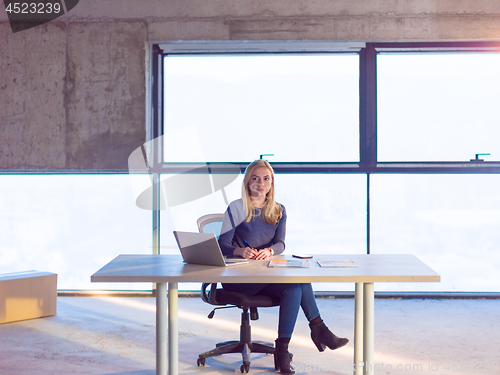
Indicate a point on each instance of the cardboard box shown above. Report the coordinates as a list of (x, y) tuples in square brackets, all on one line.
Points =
[(27, 295)]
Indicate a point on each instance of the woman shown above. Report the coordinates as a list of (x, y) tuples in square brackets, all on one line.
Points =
[(254, 228)]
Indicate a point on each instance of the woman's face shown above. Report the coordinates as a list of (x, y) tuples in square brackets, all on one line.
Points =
[(260, 182)]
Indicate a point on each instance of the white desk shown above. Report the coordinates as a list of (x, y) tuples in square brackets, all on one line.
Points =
[(163, 269)]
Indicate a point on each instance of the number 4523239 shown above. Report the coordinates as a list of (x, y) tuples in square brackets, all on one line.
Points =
[(34, 8)]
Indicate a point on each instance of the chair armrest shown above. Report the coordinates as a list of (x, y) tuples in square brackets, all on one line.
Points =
[(209, 297)]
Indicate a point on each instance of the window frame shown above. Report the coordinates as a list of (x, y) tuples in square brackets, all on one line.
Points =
[(368, 52), (419, 167), (256, 47)]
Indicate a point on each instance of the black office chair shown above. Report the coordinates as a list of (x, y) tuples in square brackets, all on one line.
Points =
[(212, 223)]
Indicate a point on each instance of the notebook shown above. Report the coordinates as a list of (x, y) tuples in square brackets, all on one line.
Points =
[(203, 248), (301, 263), (336, 263)]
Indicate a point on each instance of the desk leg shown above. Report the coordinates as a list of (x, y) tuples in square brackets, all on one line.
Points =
[(161, 329), (358, 329), (173, 329), (368, 328)]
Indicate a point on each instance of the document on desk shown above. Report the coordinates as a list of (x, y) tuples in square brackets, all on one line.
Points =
[(301, 263), (336, 263)]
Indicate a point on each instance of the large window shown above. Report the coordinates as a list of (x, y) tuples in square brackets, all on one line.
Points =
[(70, 225), (438, 107), (449, 221), (236, 107), (326, 213)]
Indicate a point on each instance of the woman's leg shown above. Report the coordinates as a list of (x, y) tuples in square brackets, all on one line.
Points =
[(320, 334), (308, 302), (290, 296)]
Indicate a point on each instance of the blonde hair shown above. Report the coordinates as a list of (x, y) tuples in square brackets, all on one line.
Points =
[(271, 212)]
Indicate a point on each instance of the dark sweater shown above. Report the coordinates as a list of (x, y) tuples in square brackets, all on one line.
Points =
[(257, 232)]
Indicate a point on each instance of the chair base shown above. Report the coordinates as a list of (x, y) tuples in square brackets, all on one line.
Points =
[(238, 347), (244, 345)]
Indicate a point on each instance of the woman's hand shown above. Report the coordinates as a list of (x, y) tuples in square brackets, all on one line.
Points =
[(250, 253), (247, 252), (265, 253)]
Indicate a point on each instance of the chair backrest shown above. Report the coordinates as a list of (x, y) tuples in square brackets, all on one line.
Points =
[(211, 223)]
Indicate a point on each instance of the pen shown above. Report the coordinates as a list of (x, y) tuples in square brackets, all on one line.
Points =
[(246, 243)]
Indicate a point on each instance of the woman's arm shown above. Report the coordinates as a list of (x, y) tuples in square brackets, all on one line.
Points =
[(278, 242), (226, 240)]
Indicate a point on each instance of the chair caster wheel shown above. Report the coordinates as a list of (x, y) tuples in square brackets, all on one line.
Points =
[(201, 361), (244, 368)]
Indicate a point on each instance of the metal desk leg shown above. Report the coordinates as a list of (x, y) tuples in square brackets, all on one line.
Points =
[(161, 329), (358, 329), (173, 329), (368, 328)]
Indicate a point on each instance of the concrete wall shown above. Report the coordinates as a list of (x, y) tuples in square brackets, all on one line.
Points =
[(72, 91)]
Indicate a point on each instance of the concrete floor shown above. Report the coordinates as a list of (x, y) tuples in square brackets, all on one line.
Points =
[(116, 335)]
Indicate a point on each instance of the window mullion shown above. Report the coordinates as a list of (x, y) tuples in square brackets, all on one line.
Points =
[(368, 108), (156, 146)]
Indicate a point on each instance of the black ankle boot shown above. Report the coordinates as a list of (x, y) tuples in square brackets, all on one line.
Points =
[(282, 358), (323, 337)]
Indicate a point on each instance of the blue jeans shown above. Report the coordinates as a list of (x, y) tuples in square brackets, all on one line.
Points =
[(292, 296)]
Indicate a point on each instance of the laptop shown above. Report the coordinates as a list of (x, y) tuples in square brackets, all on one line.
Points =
[(203, 248)]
